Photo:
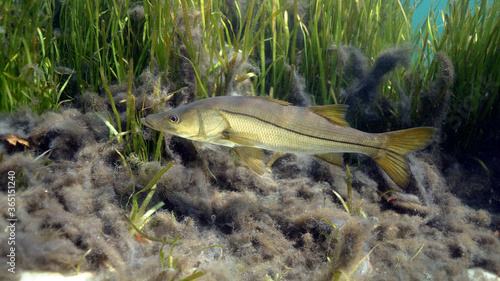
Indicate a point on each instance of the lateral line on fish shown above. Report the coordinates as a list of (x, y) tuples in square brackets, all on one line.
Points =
[(303, 134)]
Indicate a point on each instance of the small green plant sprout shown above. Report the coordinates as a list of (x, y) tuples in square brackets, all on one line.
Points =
[(139, 217), (277, 277), (337, 274), (112, 130), (348, 205), (80, 262), (418, 252), (358, 264), (169, 264), (488, 172), (77, 268), (170, 270), (333, 238)]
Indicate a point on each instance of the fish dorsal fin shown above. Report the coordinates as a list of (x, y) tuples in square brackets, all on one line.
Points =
[(285, 103), (333, 112)]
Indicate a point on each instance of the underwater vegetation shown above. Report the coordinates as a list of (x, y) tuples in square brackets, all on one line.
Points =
[(99, 193), (54, 52)]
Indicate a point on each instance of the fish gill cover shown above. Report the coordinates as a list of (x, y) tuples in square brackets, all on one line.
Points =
[(77, 77)]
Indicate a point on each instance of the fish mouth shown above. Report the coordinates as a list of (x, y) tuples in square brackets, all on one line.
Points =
[(147, 122), (152, 122)]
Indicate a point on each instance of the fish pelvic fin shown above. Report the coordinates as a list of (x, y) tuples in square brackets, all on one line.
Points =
[(252, 157), (392, 158)]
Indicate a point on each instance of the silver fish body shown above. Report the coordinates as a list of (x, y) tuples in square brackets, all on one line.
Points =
[(250, 124)]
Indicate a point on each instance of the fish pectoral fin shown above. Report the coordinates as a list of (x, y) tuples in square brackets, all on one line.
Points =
[(236, 138), (334, 113), (332, 158), (252, 157)]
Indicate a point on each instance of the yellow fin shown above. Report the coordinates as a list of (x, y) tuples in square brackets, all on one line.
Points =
[(285, 103), (333, 112), (228, 135), (252, 157), (392, 159), (332, 158), (274, 158)]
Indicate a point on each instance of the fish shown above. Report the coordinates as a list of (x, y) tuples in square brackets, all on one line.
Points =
[(249, 125)]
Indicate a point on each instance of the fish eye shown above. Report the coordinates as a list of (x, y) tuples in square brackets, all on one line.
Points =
[(174, 119)]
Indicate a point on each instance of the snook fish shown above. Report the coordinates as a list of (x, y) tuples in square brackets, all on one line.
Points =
[(250, 124)]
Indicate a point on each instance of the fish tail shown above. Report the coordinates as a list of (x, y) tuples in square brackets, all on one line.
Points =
[(392, 158)]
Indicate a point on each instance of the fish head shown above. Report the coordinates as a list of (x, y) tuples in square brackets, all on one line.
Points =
[(181, 121)]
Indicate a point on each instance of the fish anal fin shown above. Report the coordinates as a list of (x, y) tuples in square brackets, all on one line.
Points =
[(396, 168), (333, 112), (332, 158), (285, 103), (252, 157), (274, 158)]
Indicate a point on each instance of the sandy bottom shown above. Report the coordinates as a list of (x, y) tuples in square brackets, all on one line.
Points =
[(73, 199)]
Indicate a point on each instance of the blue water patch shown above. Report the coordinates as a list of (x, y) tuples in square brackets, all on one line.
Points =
[(425, 7), (422, 12)]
